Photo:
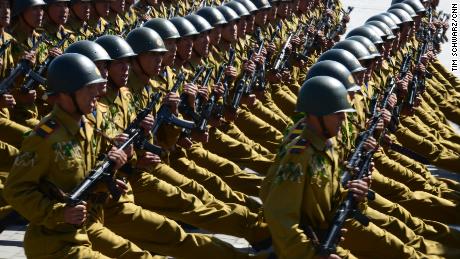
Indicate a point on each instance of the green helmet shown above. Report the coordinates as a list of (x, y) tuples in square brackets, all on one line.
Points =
[(262, 4), (145, 40), (250, 6), (323, 95), (212, 15), (405, 7), (70, 72), (394, 18), (239, 8), (336, 70), (367, 43), (385, 19), (76, 1), (48, 2), (343, 57), (377, 30), (356, 48), (165, 28), (388, 33), (366, 32), (184, 27), (90, 49), (116, 46), (228, 13), (416, 5), (200, 23), (20, 6), (402, 14)]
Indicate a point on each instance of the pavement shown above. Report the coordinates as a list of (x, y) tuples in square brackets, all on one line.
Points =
[(11, 238)]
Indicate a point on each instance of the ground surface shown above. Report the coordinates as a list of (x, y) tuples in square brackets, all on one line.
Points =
[(11, 239)]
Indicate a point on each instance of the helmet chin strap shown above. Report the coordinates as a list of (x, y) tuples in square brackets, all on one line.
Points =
[(75, 103), (141, 67), (27, 23), (323, 127)]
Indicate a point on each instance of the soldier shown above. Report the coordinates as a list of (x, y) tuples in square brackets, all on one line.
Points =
[(80, 11), (63, 135)]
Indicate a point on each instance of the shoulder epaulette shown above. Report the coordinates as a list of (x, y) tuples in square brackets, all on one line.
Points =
[(299, 146), (46, 129)]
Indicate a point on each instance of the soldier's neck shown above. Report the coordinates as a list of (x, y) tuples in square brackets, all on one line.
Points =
[(142, 76)]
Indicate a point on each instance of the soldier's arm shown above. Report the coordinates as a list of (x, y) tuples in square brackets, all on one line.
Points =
[(22, 187)]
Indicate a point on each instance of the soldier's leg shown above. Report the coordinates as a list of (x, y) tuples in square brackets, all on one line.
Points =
[(416, 202), (269, 116), (374, 242), (231, 173), (284, 101), (160, 235), (212, 182), (407, 235), (270, 104), (237, 152), (259, 130), (234, 132), (165, 199)]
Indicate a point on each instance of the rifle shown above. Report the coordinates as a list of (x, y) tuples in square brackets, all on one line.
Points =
[(199, 99), (417, 79), (164, 114), (254, 75), (231, 60), (280, 60), (104, 172), (208, 107), (240, 87), (184, 107), (5, 46), (31, 81), (334, 33), (23, 68)]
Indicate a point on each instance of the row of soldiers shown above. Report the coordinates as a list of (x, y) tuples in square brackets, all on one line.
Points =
[(239, 67)]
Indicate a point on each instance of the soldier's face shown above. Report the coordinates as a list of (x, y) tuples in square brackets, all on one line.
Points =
[(102, 8), (58, 13), (303, 6), (229, 32), (215, 35), (82, 10), (333, 123), (250, 24), (201, 44), (118, 71), (261, 18), (33, 16), (242, 27), (5, 13), (86, 98), (171, 46), (102, 87), (118, 6), (283, 10), (150, 62), (272, 13), (185, 47)]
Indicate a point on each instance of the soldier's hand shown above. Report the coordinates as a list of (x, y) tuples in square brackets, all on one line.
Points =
[(7, 101), (204, 93), (271, 48), (249, 100), (184, 142), (54, 52), (147, 160), (147, 123), (119, 157), (258, 59), (346, 18), (392, 100), (329, 12), (274, 77), (231, 72), (172, 100), (421, 68), (370, 144), (26, 98), (121, 185), (359, 188), (218, 90), (386, 116), (122, 138), (200, 136), (331, 256), (30, 56), (249, 66), (263, 52), (286, 76), (75, 215), (295, 41)]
